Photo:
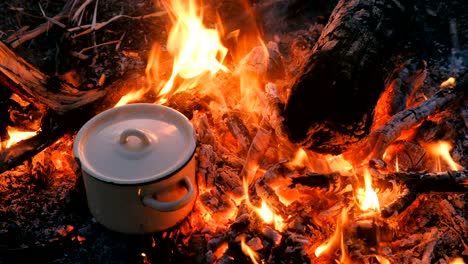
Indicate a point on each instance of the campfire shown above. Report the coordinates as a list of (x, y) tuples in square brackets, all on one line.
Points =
[(323, 135)]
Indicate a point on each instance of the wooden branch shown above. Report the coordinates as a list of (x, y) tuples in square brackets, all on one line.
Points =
[(45, 92), (331, 101), (374, 145), (413, 184)]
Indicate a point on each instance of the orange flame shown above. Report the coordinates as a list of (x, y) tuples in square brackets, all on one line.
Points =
[(17, 136), (300, 159), (196, 48), (457, 261), (249, 252), (442, 149)]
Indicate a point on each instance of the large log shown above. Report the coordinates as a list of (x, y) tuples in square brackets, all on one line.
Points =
[(44, 91), (331, 101)]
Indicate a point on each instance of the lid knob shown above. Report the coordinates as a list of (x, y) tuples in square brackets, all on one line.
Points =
[(129, 132)]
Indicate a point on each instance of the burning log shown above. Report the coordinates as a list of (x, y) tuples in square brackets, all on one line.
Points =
[(331, 101), (413, 183), (374, 145)]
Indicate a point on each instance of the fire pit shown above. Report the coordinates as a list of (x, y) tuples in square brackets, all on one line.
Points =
[(327, 132)]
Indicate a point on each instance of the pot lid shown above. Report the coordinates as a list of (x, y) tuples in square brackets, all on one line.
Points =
[(135, 143)]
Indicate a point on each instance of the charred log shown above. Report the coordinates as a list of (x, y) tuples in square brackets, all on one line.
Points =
[(374, 145), (43, 91), (331, 102)]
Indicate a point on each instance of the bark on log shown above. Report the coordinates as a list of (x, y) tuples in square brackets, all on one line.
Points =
[(45, 92), (331, 102)]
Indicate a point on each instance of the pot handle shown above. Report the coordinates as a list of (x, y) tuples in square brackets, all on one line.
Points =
[(148, 199)]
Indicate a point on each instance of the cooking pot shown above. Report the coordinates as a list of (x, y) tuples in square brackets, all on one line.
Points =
[(138, 167)]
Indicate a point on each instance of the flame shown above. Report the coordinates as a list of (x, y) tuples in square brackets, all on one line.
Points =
[(300, 159), (367, 197), (336, 238), (338, 163), (265, 212), (441, 149), (249, 252), (196, 48), (382, 260), (17, 136), (131, 96), (457, 261)]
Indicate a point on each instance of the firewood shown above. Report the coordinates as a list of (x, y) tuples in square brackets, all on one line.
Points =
[(374, 145), (274, 107), (44, 91), (332, 99), (401, 86), (413, 183), (256, 151), (238, 129)]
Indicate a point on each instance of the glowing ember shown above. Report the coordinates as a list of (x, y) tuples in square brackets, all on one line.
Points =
[(219, 252), (450, 82), (442, 149), (367, 197), (249, 252), (16, 136), (338, 163)]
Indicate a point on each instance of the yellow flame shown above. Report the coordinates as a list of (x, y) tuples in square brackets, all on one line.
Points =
[(131, 96), (382, 259), (450, 82), (249, 252), (336, 238), (196, 48), (17, 136), (441, 149), (367, 197), (264, 212), (300, 158)]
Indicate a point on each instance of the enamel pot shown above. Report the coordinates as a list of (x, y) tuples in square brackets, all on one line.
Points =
[(138, 167)]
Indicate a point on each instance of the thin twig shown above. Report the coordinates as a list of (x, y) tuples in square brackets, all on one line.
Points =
[(99, 25), (37, 31), (80, 10), (98, 45)]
